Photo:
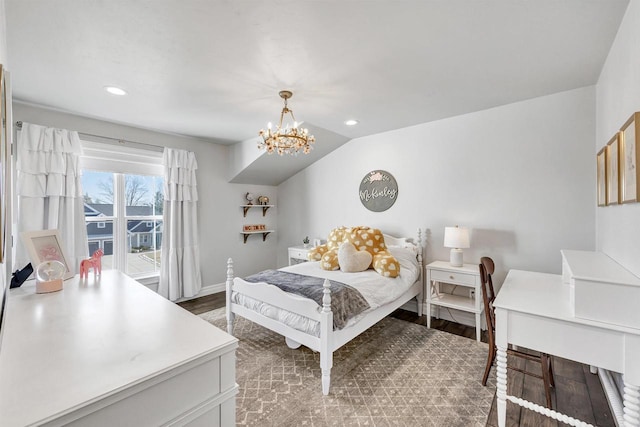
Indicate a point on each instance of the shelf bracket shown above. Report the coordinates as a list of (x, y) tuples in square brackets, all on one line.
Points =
[(265, 209), (245, 236)]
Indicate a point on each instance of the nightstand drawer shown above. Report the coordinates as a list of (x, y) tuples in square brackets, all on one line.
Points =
[(453, 277), (298, 253)]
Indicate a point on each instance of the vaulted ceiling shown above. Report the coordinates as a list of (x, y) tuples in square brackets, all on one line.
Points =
[(212, 69)]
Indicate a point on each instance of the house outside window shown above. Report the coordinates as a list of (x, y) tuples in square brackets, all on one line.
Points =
[(123, 207)]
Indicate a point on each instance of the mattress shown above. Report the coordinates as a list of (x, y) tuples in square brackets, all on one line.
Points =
[(376, 289)]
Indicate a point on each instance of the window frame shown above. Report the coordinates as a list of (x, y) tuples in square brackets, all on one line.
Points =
[(121, 161)]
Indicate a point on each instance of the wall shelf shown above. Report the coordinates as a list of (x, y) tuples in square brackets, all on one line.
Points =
[(265, 233), (265, 208)]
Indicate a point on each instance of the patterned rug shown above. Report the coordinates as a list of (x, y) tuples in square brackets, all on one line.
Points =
[(395, 374)]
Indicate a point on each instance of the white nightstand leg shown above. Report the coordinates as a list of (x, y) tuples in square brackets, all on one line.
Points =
[(437, 292), (478, 324)]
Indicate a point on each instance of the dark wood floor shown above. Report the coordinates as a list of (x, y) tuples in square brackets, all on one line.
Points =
[(578, 393)]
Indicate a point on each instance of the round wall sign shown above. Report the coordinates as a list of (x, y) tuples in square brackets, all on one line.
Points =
[(378, 190)]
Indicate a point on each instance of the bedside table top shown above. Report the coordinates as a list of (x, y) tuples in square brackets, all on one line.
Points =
[(301, 248), (446, 266)]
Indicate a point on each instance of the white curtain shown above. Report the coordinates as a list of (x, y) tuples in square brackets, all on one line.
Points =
[(49, 189), (180, 266)]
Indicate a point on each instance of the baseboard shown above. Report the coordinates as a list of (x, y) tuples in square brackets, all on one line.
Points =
[(212, 289), (457, 316), (613, 395), (206, 290), (411, 305)]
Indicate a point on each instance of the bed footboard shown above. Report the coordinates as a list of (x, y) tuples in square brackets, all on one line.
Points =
[(229, 291), (277, 298)]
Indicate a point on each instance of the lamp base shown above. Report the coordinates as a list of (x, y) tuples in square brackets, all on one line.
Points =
[(455, 257)]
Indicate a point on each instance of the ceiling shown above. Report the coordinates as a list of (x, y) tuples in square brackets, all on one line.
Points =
[(212, 69)]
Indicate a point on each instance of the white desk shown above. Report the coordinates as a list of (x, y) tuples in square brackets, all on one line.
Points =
[(112, 353), (533, 311)]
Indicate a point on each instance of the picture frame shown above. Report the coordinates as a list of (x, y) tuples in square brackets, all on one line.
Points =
[(46, 245), (601, 183), (630, 158), (613, 170)]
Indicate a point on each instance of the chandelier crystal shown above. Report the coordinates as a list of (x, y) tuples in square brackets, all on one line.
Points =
[(287, 139)]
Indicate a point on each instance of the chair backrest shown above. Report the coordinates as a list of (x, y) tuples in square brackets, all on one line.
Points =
[(487, 268)]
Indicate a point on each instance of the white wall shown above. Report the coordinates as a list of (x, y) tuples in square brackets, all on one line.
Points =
[(3, 34), (4, 278), (617, 97), (219, 213), (521, 176)]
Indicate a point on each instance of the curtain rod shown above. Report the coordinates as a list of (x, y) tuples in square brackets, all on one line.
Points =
[(119, 140)]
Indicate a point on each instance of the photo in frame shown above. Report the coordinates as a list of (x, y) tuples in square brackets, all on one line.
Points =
[(613, 170), (46, 245), (629, 177), (602, 177)]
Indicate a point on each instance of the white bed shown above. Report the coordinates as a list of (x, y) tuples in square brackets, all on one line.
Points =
[(303, 322)]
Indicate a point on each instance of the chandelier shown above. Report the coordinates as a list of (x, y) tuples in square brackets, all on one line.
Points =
[(288, 139)]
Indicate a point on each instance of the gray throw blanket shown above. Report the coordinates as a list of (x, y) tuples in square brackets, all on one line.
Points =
[(346, 301)]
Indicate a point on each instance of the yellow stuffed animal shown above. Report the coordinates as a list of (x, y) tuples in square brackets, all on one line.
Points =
[(364, 239), (328, 253)]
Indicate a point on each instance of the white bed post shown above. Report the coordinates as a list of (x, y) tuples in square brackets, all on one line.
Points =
[(230, 315), (420, 296), (326, 337)]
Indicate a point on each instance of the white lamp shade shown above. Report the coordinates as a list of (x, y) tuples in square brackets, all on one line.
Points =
[(456, 237)]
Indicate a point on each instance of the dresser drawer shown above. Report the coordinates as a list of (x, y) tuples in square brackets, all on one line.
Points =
[(453, 277), (298, 253)]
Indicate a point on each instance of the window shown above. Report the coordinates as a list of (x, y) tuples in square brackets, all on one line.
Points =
[(123, 208)]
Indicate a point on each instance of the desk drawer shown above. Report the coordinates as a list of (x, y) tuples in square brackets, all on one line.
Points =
[(298, 253), (452, 277)]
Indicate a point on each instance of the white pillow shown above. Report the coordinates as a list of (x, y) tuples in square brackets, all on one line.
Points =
[(409, 253), (352, 260)]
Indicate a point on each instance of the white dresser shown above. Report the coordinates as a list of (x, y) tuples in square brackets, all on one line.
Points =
[(112, 353)]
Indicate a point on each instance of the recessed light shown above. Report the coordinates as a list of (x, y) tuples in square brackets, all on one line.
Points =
[(115, 90), (351, 122)]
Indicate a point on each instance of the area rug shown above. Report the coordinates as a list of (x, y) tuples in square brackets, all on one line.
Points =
[(395, 374)]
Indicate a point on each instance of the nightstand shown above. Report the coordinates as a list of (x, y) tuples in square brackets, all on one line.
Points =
[(468, 276), (298, 254)]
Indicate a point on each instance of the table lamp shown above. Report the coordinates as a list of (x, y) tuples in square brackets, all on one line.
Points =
[(456, 238)]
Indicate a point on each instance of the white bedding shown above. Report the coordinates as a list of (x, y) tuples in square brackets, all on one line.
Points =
[(376, 289)]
